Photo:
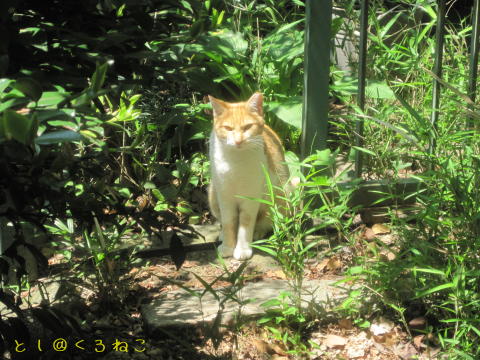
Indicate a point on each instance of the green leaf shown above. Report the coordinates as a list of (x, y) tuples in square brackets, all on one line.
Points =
[(271, 303), (355, 270), (149, 185), (158, 195), (64, 124), (17, 126), (98, 77), (289, 112), (366, 151), (379, 90), (309, 246), (52, 98), (423, 122), (4, 83), (434, 289), (13, 102), (265, 319), (397, 129), (64, 114), (57, 137), (235, 276), (208, 287), (29, 87), (429, 271)]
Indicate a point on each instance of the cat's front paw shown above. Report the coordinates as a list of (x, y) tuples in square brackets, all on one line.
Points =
[(242, 253)]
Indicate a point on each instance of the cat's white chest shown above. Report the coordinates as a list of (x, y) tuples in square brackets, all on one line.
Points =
[(235, 170)]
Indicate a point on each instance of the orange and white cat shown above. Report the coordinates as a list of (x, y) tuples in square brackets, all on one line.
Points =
[(240, 146)]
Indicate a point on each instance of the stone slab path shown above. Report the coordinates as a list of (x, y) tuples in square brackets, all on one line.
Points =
[(180, 308)]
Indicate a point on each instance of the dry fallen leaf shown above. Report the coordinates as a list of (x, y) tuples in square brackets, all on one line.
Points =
[(406, 351), (345, 324), (264, 347), (334, 263), (381, 326), (278, 357), (277, 274), (380, 229), (418, 322), (335, 341), (261, 346), (278, 349), (355, 352), (322, 265), (417, 341), (369, 235), (391, 256)]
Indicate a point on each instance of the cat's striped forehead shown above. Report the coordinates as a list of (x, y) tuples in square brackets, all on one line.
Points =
[(238, 112), (252, 108)]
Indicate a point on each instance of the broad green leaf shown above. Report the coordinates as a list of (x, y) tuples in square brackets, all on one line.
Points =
[(265, 249), (56, 137), (98, 77), (4, 83), (208, 287), (429, 271), (289, 112), (366, 151), (13, 102), (398, 130), (149, 185), (69, 125), (387, 27), (29, 87), (284, 46), (271, 303), (355, 270), (52, 98), (345, 85), (17, 126), (434, 289), (378, 90), (158, 195), (423, 122), (51, 115)]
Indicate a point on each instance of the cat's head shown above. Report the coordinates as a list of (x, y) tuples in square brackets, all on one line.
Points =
[(239, 125)]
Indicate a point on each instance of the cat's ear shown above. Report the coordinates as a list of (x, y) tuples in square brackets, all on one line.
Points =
[(255, 103), (218, 106)]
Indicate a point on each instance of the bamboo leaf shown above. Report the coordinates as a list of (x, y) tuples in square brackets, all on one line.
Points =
[(434, 289)]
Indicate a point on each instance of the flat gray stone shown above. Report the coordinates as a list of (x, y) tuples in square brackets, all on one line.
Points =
[(179, 308), (210, 232)]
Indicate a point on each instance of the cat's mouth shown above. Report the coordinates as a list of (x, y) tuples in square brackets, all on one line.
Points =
[(244, 144)]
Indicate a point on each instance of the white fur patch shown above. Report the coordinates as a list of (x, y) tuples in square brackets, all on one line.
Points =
[(237, 170)]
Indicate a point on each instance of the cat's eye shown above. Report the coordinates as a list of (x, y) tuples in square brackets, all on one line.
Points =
[(228, 128), (248, 126)]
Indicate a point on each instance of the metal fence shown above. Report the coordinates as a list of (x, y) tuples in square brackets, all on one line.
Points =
[(317, 65)]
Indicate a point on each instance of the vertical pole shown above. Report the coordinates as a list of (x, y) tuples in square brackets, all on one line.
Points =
[(437, 69), (362, 61), (474, 46), (317, 76)]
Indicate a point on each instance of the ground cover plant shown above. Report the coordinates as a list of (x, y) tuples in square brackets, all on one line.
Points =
[(103, 128)]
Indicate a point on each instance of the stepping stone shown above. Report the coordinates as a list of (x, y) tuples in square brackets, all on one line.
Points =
[(180, 309)]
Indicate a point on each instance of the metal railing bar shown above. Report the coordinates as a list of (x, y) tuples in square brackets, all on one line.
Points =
[(437, 70), (474, 47), (362, 61), (317, 75)]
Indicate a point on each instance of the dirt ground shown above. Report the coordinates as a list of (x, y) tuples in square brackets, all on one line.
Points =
[(328, 337)]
